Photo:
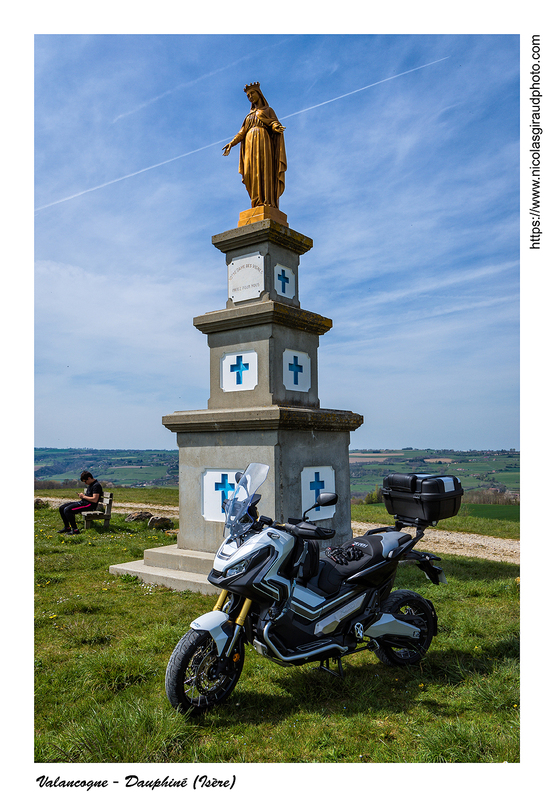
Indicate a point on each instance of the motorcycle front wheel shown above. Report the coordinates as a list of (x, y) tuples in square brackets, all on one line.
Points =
[(411, 608), (195, 678)]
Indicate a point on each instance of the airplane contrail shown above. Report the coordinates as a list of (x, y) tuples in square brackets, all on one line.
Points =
[(126, 176), (349, 93), (200, 78), (215, 143)]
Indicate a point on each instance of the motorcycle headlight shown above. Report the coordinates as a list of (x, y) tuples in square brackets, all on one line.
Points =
[(238, 568)]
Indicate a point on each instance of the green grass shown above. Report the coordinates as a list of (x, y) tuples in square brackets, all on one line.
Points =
[(129, 475), (120, 474), (103, 642), (471, 519), (164, 496), (492, 511)]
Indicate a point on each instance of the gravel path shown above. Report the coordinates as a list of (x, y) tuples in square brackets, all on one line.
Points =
[(436, 541), (458, 543), (156, 509)]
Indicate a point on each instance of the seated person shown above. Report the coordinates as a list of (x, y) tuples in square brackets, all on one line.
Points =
[(88, 503)]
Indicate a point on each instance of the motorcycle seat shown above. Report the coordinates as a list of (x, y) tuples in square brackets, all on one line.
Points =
[(355, 555)]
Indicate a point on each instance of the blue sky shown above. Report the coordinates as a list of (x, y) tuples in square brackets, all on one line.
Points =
[(403, 167)]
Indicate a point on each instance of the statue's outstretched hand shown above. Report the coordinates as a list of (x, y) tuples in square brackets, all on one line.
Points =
[(278, 127), (227, 149)]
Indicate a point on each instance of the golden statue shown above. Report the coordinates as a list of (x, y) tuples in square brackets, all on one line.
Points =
[(263, 160)]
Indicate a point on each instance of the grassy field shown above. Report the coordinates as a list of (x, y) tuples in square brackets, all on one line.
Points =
[(102, 645), (121, 475), (163, 496), (475, 469), (492, 511), (471, 519), (117, 466)]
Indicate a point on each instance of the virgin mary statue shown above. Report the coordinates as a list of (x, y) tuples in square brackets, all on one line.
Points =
[(263, 160)]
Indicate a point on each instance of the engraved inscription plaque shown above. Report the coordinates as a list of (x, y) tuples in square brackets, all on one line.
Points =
[(246, 277)]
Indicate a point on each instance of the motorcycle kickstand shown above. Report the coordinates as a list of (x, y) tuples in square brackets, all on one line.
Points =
[(325, 667)]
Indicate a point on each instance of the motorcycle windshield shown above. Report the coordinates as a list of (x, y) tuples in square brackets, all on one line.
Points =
[(237, 520)]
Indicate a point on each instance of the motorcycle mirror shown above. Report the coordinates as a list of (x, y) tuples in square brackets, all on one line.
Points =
[(238, 476), (323, 499), (326, 499)]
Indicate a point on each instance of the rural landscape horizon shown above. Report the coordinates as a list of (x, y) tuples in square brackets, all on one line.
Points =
[(477, 469)]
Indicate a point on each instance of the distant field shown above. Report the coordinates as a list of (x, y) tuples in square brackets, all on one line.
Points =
[(475, 469), (118, 466), (122, 474), (492, 511), (130, 474)]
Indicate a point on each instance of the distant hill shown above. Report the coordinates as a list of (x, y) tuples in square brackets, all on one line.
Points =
[(123, 467), (498, 470)]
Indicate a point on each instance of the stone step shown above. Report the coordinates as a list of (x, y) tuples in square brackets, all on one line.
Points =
[(174, 558), (179, 580)]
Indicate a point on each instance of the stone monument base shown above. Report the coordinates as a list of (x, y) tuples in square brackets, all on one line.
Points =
[(172, 567), (288, 439)]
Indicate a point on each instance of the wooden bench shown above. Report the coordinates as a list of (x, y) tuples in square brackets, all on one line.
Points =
[(103, 512)]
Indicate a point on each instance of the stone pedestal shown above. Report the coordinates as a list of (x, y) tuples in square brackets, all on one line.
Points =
[(263, 353), (263, 406), (299, 445)]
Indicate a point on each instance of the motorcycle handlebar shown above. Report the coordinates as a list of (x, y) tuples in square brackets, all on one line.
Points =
[(309, 532)]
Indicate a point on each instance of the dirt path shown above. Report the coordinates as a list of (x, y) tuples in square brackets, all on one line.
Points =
[(156, 509), (461, 544), (435, 541)]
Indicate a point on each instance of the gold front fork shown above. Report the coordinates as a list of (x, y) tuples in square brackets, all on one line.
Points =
[(221, 601), (239, 622), (243, 612)]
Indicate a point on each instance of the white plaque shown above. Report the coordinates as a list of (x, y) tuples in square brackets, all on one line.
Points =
[(239, 371), (246, 277), (217, 485), (297, 370), (316, 480), (284, 281)]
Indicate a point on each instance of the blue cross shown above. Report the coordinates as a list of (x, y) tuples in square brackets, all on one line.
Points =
[(225, 487), (284, 280), (296, 368), (238, 368), (318, 486)]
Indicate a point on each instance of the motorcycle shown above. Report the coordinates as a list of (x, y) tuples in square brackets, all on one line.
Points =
[(295, 604)]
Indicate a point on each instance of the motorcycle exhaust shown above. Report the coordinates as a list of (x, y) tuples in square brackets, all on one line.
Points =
[(388, 625), (328, 648)]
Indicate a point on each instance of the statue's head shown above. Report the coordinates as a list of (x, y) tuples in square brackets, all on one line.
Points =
[(253, 92)]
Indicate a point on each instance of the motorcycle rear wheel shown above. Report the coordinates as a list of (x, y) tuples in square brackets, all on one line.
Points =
[(411, 608), (193, 682)]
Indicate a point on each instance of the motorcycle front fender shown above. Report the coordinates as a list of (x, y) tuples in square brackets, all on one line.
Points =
[(218, 625)]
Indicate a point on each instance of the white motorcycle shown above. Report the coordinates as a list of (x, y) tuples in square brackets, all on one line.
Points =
[(296, 605)]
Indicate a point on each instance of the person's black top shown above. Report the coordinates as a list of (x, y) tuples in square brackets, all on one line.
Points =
[(93, 488)]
